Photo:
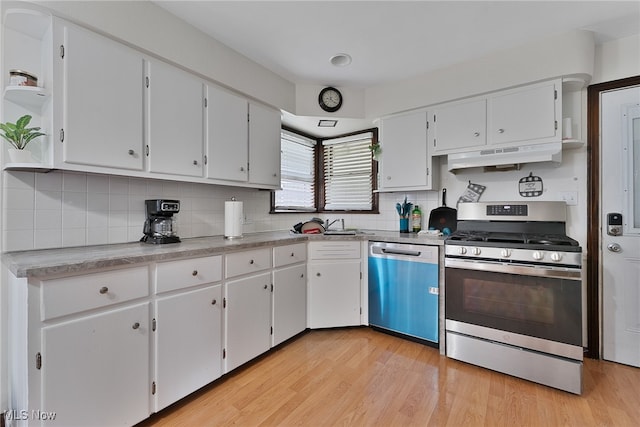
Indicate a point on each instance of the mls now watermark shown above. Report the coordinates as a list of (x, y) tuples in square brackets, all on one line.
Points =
[(24, 415)]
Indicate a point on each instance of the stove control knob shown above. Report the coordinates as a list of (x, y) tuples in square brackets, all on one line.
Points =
[(556, 256), (462, 250), (537, 255), (505, 253), (475, 251)]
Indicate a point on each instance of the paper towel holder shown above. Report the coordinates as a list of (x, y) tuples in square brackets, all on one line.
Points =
[(233, 219)]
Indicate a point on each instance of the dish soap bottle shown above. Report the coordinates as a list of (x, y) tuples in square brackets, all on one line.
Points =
[(416, 219)]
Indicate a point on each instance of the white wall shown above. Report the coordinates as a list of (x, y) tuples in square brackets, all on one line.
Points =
[(150, 28), (617, 59)]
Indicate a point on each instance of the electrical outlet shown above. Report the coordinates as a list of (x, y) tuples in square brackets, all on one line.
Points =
[(570, 197)]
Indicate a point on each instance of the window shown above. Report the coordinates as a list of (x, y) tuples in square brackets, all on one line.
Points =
[(348, 173), (335, 174), (297, 174)]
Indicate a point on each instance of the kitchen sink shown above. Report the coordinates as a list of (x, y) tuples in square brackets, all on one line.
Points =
[(341, 232)]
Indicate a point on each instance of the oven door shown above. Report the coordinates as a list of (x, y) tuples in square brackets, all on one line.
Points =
[(487, 299)]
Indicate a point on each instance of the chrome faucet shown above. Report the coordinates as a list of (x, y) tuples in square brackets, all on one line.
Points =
[(330, 223)]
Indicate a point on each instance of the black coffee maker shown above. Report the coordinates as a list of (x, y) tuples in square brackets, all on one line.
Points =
[(159, 225)]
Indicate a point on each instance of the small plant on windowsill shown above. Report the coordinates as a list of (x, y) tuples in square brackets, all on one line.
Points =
[(19, 135), (376, 150)]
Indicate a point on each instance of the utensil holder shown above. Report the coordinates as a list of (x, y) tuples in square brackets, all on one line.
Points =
[(404, 225)]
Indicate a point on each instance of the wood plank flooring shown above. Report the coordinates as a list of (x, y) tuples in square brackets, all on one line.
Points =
[(361, 377)]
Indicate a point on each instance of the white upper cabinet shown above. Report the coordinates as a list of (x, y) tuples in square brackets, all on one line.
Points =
[(98, 99), (459, 125), (525, 114), (264, 146), (227, 135), (529, 114), (175, 129), (405, 161)]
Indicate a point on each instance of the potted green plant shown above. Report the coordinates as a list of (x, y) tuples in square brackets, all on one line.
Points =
[(376, 150), (19, 135)]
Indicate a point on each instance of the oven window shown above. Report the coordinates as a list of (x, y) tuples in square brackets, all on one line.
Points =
[(542, 307), (509, 302)]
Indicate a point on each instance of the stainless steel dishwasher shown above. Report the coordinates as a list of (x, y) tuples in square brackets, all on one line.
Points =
[(403, 289)]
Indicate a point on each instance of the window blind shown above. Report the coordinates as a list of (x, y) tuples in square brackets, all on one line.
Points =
[(297, 173), (348, 175)]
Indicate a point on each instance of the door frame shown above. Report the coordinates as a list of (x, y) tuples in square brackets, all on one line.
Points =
[(594, 224)]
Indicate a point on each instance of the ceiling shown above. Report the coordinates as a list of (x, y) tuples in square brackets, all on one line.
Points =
[(389, 40)]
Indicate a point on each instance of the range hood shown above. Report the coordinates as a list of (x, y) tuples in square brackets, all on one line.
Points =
[(504, 157)]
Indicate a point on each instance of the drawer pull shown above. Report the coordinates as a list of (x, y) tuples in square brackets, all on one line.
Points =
[(251, 262), (302, 276), (318, 274), (136, 325), (293, 254), (194, 273), (214, 302), (265, 287), (104, 290)]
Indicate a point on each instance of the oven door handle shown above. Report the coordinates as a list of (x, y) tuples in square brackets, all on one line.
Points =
[(526, 270)]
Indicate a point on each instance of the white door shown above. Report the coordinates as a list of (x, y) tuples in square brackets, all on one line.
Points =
[(101, 100), (95, 370), (289, 302), (620, 194), (227, 135), (264, 145), (175, 129), (188, 343)]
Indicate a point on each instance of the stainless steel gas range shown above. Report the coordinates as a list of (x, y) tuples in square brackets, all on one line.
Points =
[(514, 292)]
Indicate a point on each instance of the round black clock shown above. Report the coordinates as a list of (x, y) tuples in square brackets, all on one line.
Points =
[(330, 99)]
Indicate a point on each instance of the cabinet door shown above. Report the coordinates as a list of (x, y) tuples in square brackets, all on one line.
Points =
[(248, 319), (404, 144), (175, 130), (524, 114), (227, 135), (95, 370), (459, 125), (264, 145), (99, 112), (334, 294), (188, 343), (289, 302)]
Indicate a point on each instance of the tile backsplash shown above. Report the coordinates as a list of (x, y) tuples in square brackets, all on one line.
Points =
[(63, 209)]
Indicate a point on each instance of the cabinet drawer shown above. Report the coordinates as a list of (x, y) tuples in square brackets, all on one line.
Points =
[(69, 295), (184, 273), (245, 262), (290, 254), (334, 250)]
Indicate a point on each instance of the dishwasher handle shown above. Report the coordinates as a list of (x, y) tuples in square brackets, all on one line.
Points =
[(400, 252)]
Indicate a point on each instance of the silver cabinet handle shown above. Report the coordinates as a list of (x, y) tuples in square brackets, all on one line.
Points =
[(476, 134), (214, 302), (241, 168), (275, 175), (136, 325), (318, 274), (265, 287), (104, 290), (302, 276), (251, 262), (195, 162), (293, 254), (194, 273), (500, 130), (614, 247), (131, 152)]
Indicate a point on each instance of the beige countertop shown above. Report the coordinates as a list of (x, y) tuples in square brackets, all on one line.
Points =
[(60, 261)]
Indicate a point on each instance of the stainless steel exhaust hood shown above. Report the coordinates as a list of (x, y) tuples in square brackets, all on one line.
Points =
[(506, 156)]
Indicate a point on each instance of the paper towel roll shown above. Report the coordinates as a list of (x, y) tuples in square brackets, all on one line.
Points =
[(233, 219), (567, 131)]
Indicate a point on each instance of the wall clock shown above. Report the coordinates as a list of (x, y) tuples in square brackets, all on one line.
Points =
[(330, 99)]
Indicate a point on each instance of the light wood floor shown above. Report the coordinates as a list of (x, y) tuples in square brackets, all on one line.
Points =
[(361, 377)]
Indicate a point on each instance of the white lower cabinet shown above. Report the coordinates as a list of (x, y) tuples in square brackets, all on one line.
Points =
[(334, 273), (95, 369), (248, 319), (188, 343), (289, 302)]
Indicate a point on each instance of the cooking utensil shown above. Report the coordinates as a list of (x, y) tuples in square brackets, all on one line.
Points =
[(443, 217)]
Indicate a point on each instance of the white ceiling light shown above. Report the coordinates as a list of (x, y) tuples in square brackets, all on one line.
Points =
[(341, 60), (327, 123)]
